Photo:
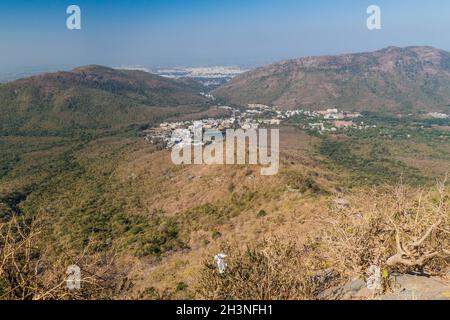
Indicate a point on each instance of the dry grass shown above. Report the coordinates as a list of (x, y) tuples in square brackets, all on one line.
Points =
[(29, 271), (271, 270), (400, 229)]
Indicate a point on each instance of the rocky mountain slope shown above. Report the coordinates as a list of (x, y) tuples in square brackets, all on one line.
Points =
[(391, 79)]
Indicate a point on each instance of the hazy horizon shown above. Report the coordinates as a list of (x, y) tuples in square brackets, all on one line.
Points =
[(207, 33), (13, 73)]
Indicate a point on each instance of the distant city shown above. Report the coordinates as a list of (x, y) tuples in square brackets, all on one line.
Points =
[(211, 76)]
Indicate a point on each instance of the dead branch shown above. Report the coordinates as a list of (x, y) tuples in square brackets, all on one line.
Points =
[(409, 254)]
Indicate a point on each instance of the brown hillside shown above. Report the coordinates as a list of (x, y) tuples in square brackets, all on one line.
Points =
[(391, 79)]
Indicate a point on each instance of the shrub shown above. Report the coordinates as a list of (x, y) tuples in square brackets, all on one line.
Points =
[(271, 269), (262, 213), (403, 230), (302, 182), (181, 286), (32, 270), (216, 235)]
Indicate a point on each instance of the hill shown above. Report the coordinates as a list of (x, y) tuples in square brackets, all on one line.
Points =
[(391, 79), (92, 97), (142, 227)]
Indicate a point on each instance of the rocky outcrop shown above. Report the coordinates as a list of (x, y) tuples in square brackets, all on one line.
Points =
[(402, 287)]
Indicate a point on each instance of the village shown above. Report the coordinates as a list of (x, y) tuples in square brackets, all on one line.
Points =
[(254, 116)]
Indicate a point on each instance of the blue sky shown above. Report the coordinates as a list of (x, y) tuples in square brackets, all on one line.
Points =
[(207, 32)]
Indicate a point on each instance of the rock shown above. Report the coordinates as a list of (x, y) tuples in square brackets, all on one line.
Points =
[(402, 287), (345, 292), (406, 287)]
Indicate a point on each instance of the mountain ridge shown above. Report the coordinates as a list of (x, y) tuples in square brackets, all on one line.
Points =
[(92, 97), (410, 79)]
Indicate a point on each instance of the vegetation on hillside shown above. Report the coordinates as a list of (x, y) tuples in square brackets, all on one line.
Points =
[(412, 79), (400, 229), (93, 98), (79, 185)]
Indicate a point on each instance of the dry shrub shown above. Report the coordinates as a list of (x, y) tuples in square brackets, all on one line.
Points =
[(271, 270), (398, 229), (401, 229), (304, 182), (29, 271)]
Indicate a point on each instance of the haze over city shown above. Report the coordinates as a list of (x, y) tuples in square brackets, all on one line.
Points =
[(205, 33)]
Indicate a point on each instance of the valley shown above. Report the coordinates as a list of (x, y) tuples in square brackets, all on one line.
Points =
[(81, 167)]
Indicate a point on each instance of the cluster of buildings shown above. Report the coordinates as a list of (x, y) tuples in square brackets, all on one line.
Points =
[(333, 126), (323, 120), (181, 132), (252, 117), (330, 120), (438, 115), (208, 96), (335, 114)]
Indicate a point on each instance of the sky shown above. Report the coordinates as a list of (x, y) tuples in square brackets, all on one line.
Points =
[(247, 33)]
